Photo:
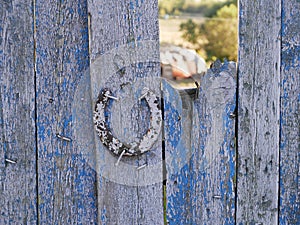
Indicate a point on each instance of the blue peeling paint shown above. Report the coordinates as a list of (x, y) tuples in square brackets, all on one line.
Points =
[(131, 5), (189, 188), (103, 216), (51, 149), (290, 69)]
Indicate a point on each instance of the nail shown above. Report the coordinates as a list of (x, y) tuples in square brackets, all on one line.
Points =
[(141, 167), (112, 97), (232, 115), (217, 196), (10, 161), (120, 157), (63, 138), (232, 144), (144, 95)]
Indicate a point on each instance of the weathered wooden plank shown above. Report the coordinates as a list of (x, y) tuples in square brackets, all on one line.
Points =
[(258, 112), (178, 117), (200, 151), (18, 196), (290, 114), (124, 53), (67, 182)]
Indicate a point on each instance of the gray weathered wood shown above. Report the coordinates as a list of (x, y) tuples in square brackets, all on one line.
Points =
[(200, 151), (67, 182), (17, 114), (124, 52), (290, 114), (55, 58), (258, 112)]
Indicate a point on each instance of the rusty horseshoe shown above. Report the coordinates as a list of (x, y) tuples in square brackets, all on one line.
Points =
[(113, 143)]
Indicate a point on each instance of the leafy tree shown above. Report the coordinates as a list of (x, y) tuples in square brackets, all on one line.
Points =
[(211, 9), (216, 36), (191, 31), (170, 6)]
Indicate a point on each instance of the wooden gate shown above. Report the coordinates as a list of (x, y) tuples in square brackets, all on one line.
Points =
[(228, 155)]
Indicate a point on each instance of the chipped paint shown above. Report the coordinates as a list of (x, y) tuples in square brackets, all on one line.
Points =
[(204, 166), (289, 205), (52, 41)]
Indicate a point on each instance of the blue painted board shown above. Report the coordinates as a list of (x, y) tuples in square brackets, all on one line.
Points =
[(290, 114), (66, 181), (124, 58), (200, 150), (18, 196)]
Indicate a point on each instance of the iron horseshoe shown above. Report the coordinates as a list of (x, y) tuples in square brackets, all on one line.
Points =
[(113, 143)]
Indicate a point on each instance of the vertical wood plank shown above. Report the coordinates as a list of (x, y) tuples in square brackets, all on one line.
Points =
[(17, 114), (178, 118), (258, 128), (290, 111), (200, 157), (124, 51), (66, 181)]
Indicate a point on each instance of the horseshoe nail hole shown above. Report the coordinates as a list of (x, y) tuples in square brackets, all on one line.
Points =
[(124, 84), (17, 96), (122, 71)]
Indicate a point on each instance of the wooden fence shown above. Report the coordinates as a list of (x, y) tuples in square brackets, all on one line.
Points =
[(228, 155)]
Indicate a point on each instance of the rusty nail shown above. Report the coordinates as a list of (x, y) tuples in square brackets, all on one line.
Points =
[(232, 115), (63, 138), (119, 159), (145, 90), (217, 196), (10, 161), (112, 97), (141, 167), (143, 96)]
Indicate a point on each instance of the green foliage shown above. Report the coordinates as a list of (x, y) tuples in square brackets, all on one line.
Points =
[(221, 34), (212, 8), (191, 31), (207, 8), (217, 36), (172, 7), (191, 6)]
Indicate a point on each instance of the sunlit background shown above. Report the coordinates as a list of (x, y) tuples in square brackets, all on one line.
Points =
[(194, 33)]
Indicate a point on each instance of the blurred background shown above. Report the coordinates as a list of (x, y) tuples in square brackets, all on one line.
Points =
[(193, 34)]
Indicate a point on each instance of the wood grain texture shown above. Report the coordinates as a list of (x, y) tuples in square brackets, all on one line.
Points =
[(67, 183), (258, 112), (200, 151), (124, 52), (290, 114), (17, 114)]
